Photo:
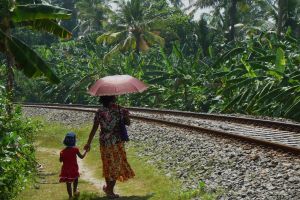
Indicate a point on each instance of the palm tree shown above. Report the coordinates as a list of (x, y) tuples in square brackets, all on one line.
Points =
[(135, 28), (92, 15), (232, 11), (18, 54), (286, 10)]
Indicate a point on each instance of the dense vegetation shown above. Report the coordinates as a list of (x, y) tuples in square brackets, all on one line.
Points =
[(204, 65), (17, 160)]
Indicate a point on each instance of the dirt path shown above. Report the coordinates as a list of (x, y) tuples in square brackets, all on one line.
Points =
[(85, 173)]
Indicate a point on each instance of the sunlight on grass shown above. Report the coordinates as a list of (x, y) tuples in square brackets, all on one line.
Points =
[(47, 186), (149, 183)]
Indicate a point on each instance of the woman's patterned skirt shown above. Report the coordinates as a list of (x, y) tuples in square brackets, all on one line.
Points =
[(115, 165)]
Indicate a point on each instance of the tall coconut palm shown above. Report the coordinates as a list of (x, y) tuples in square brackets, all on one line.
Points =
[(135, 28), (229, 5), (18, 54), (286, 10), (92, 15)]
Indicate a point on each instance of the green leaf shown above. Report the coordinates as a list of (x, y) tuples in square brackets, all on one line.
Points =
[(228, 55), (293, 110), (270, 58), (210, 51), (275, 74), (112, 53), (269, 96), (280, 60), (111, 37), (177, 52), (33, 12), (249, 69), (129, 43), (166, 60), (49, 26), (27, 60), (153, 38)]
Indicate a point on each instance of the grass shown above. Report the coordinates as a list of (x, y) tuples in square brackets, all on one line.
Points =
[(149, 182)]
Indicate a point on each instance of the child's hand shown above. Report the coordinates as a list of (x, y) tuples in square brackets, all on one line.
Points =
[(84, 153), (81, 155), (87, 147)]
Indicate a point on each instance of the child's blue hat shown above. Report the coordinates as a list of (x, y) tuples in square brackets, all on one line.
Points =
[(70, 139)]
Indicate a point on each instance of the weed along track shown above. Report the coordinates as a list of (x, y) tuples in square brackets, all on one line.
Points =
[(199, 150)]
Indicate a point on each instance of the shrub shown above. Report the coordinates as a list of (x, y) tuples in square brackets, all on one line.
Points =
[(17, 160)]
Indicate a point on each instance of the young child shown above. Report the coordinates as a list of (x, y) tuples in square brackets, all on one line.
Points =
[(69, 170)]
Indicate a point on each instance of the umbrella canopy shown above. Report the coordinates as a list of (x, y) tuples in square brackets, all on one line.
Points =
[(116, 85)]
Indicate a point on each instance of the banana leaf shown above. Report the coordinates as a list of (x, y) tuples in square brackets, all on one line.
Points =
[(27, 60), (293, 110), (49, 26), (228, 55), (280, 60), (33, 12)]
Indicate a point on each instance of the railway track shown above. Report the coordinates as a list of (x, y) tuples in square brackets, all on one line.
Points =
[(275, 134)]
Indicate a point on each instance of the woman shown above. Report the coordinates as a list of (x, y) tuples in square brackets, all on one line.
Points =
[(113, 155)]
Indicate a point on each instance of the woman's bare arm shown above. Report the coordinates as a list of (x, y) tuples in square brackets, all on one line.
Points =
[(91, 136)]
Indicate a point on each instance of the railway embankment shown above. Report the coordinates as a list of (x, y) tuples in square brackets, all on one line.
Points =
[(242, 170)]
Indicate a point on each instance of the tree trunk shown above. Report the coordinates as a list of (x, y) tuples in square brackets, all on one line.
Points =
[(281, 16), (9, 83), (232, 16), (137, 48), (10, 74)]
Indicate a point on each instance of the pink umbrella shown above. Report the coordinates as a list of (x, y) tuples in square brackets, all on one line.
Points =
[(117, 85)]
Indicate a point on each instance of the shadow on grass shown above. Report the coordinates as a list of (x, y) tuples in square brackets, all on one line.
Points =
[(92, 196)]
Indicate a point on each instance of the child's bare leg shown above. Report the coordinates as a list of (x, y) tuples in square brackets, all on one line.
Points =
[(75, 184), (69, 189)]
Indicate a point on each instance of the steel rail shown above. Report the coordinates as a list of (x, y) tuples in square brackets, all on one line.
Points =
[(272, 144), (285, 126)]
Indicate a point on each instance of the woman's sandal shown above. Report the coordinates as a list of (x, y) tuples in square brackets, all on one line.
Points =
[(76, 194), (110, 196)]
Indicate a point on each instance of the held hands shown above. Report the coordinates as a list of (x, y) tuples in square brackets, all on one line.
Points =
[(87, 147)]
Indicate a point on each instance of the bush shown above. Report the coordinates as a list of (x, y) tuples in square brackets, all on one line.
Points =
[(17, 160)]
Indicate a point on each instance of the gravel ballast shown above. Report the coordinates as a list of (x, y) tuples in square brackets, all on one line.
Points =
[(242, 170)]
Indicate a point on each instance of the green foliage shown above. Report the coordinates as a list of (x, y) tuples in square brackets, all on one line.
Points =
[(268, 84), (17, 161), (135, 27), (197, 69), (36, 16)]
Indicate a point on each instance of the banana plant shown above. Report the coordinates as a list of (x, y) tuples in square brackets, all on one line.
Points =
[(176, 80), (260, 78), (34, 16)]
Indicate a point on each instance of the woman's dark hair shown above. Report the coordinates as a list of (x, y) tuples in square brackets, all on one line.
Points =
[(106, 100)]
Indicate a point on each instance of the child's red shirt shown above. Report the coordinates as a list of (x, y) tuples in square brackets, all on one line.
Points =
[(69, 170)]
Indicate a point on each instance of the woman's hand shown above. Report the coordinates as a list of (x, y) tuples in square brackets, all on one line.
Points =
[(87, 147)]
